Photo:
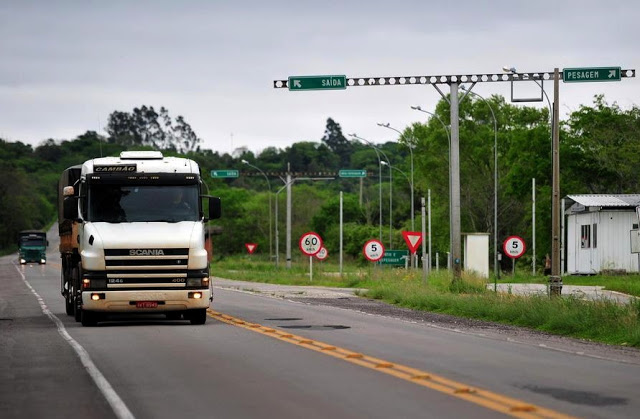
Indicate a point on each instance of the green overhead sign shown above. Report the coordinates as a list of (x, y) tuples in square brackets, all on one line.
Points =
[(579, 75), (317, 82), (394, 257), (225, 173), (352, 173)]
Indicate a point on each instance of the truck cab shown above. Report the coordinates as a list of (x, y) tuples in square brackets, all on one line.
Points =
[(137, 239), (32, 246)]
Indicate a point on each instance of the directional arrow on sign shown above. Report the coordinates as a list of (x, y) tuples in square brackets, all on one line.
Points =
[(612, 73), (296, 83), (413, 239)]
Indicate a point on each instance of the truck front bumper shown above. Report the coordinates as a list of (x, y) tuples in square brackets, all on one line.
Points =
[(125, 301)]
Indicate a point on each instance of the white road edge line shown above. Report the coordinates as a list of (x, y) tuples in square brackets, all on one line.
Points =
[(116, 403)]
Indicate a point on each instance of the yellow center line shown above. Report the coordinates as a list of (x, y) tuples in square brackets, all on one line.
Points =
[(485, 398)]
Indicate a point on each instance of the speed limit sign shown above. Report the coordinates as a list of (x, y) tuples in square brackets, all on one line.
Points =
[(514, 247), (310, 243), (322, 254), (373, 250)]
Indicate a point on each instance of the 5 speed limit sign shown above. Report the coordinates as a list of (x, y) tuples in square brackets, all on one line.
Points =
[(514, 247), (373, 250), (310, 243)]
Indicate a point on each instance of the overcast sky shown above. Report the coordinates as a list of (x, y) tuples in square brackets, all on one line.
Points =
[(66, 65)]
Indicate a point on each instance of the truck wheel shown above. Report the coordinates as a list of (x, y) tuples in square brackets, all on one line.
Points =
[(198, 316), (68, 303), (76, 294), (89, 318)]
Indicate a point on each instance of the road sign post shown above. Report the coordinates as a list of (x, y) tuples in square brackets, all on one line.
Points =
[(225, 173), (514, 247), (310, 244), (332, 82), (590, 74)]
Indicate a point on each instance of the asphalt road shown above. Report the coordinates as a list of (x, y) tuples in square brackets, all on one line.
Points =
[(278, 358)]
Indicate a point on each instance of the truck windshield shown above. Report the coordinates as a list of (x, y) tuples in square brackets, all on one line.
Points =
[(140, 203), (30, 241)]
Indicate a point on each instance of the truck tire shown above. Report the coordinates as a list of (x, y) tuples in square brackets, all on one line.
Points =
[(76, 294), (198, 316), (68, 303), (89, 318)]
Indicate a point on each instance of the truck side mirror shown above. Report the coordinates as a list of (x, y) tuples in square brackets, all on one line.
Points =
[(70, 208), (215, 208)]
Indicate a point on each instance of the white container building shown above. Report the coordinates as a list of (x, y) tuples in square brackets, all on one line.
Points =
[(599, 230)]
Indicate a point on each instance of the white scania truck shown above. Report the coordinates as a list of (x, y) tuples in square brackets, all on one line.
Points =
[(132, 237)]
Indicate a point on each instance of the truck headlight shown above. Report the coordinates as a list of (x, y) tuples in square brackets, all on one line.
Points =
[(22, 261), (198, 282)]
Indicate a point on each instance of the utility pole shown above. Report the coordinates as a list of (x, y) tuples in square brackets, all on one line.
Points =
[(289, 182), (555, 280), (454, 175)]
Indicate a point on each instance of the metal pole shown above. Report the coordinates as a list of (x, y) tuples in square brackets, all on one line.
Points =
[(410, 145), (555, 280), (390, 207), (429, 206), (455, 184), (563, 266), (277, 233), (424, 250), (533, 217), (380, 192), (289, 216), (310, 268), (270, 205), (341, 231)]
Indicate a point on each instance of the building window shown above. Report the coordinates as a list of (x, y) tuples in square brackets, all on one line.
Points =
[(595, 236), (585, 236)]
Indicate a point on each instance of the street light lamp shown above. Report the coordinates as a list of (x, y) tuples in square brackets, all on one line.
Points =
[(387, 125), (495, 184), (269, 184)]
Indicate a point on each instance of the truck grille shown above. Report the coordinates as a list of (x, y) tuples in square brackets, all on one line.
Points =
[(146, 268)]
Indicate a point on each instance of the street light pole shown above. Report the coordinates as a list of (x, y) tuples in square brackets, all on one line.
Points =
[(390, 187), (448, 132), (513, 71), (270, 214), (379, 180), (495, 184), (387, 125)]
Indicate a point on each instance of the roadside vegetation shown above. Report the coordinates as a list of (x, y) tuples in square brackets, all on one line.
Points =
[(602, 320)]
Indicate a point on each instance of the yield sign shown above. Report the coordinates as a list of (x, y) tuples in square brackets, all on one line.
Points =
[(251, 247), (413, 239)]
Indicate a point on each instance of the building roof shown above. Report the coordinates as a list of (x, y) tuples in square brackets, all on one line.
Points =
[(607, 200)]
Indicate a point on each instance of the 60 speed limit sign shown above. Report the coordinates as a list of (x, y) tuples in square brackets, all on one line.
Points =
[(514, 247), (310, 243), (373, 250)]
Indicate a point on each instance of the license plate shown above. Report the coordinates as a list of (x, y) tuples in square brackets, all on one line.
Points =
[(146, 304)]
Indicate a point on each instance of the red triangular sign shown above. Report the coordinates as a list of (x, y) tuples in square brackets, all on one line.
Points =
[(251, 247), (413, 239)]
